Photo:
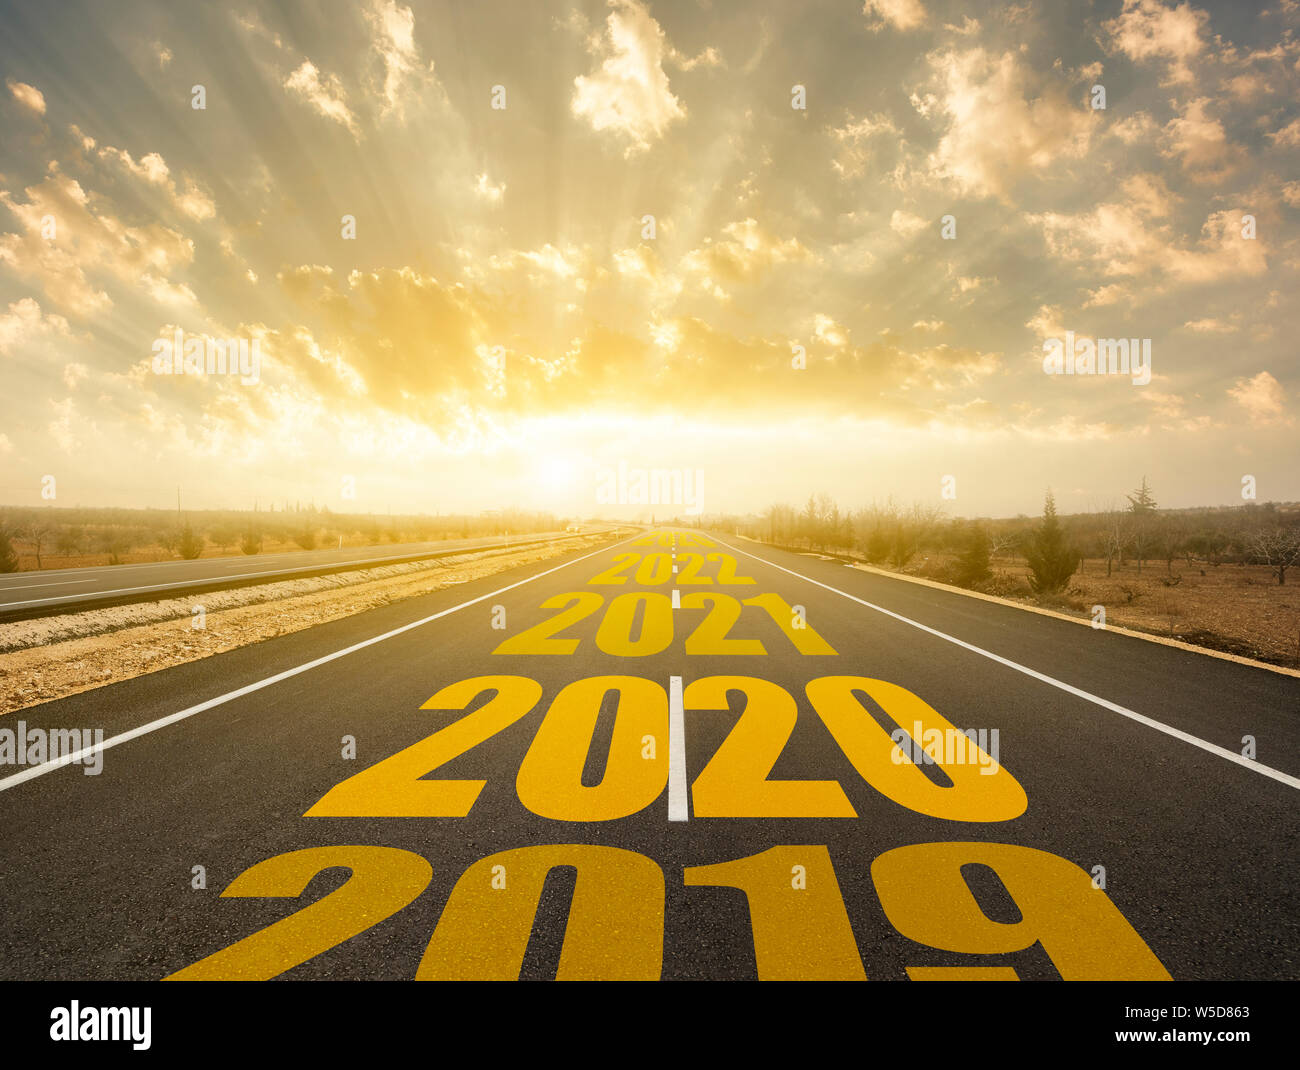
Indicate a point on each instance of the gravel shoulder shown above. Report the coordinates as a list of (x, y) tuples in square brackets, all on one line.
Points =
[(52, 657)]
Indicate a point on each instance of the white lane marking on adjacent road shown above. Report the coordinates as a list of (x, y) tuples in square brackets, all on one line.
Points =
[(1124, 711), (677, 808), (143, 730), (677, 599), (24, 586)]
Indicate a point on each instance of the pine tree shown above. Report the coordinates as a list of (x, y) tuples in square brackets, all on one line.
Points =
[(1143, 507), (973, 562), (1052, 560), (1141, 500)]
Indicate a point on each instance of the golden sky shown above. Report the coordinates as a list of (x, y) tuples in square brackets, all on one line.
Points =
[(502, 325)]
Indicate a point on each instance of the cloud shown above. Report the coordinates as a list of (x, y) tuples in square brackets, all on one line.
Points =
[(325, 97), (629, 92), (152, 169), (708, 57), (745, 252), (1288, 136), (1210, 325), (1262, 397), (90, 238), (900, 14), (1148, 30), (28, 96), (406, 78), (1005, 121), (1123, 238), (853, 141), (906, 224), (73, 374), (828, 331), (489, 191), (25, 321), (1201, 143)]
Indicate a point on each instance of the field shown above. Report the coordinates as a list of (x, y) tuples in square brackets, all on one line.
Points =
[(1235, 608), (59, 537)]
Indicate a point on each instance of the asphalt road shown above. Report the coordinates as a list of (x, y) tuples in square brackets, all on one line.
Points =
[(44, 591), (1112, 752)]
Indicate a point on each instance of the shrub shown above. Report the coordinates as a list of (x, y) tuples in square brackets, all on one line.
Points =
[(8, 557), (189, 544), (1052, 560), (878, 546), (973, 562)]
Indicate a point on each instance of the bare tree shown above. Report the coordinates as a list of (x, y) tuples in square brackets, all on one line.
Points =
[(37, 532), (1003, 540), (911, 530), (1114, 534), (1277, 547)]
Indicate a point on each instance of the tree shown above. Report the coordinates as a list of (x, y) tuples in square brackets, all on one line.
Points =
[(1052, 560), (251, 542), (1142, 506), (877, 548), (189, 544), (223, 534), (37, 532), (1277, 547), (973, 561), (306, 539), (910, 531), (8, 556), (70, 541), (1114, 535), (1005, 540), (115, 543), (1172, 539), (808, 520)]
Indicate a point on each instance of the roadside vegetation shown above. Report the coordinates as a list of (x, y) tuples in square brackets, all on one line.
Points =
[(1223, 577), (57, 537)]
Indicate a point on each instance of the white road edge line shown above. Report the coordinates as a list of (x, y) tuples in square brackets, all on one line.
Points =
[(143, 730), (1159, 726), (677, 808)]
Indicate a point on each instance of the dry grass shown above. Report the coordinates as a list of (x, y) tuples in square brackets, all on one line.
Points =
[(1236, 609)]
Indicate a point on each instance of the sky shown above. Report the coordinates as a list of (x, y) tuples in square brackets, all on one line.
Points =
[(486, 253)]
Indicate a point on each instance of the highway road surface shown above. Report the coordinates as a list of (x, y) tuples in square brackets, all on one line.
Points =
[(44, 591), (698, 751)]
